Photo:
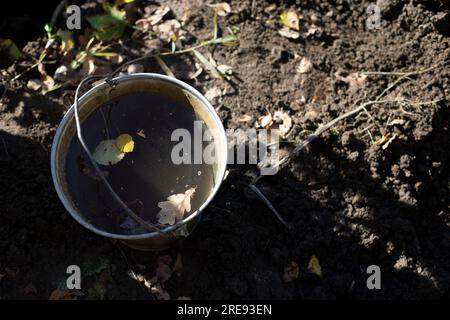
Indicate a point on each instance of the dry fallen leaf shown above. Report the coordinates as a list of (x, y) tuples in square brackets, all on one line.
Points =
[(154, 19), (286, 122), (34, 84), (304, 66), (169, 30), (311, 114), (141, 133), (385, 140), (222, 8), (355, 79), (288, 33), (291, 272), (290, 19), (172, 210), (314, 266), (213, 94), (265, 121), (245, 118)]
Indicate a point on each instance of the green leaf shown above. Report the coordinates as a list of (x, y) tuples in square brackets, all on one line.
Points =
[(109, 26), (231, 40)]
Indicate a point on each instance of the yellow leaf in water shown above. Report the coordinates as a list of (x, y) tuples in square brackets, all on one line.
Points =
[(314, 266), (125, 143)]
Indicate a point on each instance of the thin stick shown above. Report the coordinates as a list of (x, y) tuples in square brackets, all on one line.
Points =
[(410, 73), (327, 126), (165, 67), (269, 204)]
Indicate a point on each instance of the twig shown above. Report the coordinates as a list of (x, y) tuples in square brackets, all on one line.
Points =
[(165, 67), (410, 73), (327, 126), (269, 204)]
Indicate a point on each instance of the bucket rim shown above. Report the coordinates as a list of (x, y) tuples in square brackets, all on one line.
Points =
[(70, 113)]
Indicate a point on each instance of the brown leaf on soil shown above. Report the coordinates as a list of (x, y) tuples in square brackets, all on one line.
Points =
[(291, 272), (244, 118), (355, 79), (290, 19), (213, 94), (154, 19), (222, 8), (265, 121), (172, 210), (304, 66), (288, 33), (286, 122)]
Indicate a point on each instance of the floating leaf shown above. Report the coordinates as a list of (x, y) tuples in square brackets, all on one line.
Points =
[(141, 133), (107, 153), (291, 272), (290, 19), (172, 210), (125, 143), (314, 266)]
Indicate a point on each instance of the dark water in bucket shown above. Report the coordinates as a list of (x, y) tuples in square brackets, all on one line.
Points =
[(145, 176)]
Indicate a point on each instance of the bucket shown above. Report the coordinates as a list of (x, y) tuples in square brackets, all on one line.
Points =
[(71, 190)]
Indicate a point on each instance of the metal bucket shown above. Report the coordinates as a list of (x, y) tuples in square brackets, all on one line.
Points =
[(102, 93)]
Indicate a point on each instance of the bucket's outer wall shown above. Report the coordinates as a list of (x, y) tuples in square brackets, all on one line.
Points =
[(102, 93)]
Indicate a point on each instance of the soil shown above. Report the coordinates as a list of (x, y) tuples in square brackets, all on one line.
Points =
[(352, 202)]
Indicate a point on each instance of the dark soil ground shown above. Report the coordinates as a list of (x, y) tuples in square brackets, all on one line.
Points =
[(351, 202)]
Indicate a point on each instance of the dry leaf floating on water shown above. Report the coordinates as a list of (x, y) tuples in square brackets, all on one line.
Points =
[(173, 209)]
